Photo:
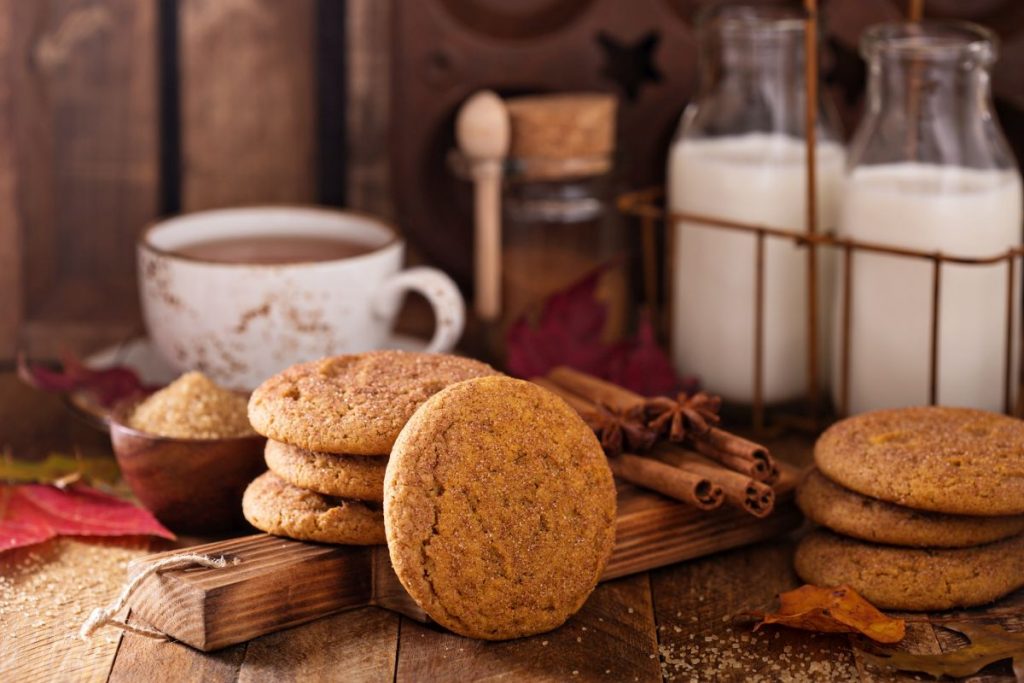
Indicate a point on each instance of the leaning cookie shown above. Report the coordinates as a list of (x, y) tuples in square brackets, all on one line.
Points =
[(499, 508), (916, 579), (354, 404), (276, 507), (345, 476), (869, 519)]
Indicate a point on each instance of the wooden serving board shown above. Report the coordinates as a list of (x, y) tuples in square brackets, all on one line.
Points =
[(279, 583)]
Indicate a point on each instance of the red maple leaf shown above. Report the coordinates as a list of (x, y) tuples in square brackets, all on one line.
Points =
[(641, 365), (569, 332), (107, 386), (33, 513)]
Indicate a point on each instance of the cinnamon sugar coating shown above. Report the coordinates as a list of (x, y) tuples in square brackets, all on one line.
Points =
[(272, 505), (891, 577), (499, 508), (345, 476), (870, 519), (951, 460), (353, 404)]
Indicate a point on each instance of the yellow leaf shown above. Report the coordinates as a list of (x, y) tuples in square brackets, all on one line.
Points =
[(57, 468)]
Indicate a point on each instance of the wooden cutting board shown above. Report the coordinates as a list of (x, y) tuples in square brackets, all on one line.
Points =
[(279, 583)]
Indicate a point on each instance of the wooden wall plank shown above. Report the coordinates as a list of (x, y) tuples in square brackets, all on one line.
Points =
[(368, 50), (86, 155), (247, 102), (11, 296)]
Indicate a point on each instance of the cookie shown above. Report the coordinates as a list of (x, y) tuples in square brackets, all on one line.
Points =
[(870, 519), (272, 505), (499, 508), (891, 577), (355, 404), (345, 476), (952, 460)]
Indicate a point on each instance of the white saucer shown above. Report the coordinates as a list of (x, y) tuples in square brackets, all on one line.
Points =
[(140, 355)]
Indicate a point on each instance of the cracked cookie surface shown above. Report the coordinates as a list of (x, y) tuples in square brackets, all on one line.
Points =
[(846, 512), (892, 577), (276, 507), (345, 476), (499, 508), (952, 460), (353, 404)]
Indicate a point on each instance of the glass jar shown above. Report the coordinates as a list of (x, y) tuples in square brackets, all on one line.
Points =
[(559, 226), (740, 155), (929, 169)]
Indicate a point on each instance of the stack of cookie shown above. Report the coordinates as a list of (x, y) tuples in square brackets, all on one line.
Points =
[(924, 508), (496, 502), (330, 426)]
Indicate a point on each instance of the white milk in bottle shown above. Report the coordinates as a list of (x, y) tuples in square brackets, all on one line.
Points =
[(962, 211), (740, 155), (931, 171), (756, 178)]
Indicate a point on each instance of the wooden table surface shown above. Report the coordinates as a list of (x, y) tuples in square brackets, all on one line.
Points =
[(675, 623)]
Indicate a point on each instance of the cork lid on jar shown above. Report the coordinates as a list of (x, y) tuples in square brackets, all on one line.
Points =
[(562, 135)]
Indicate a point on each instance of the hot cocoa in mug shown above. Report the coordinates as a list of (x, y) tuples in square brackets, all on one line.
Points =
[(243, 293)]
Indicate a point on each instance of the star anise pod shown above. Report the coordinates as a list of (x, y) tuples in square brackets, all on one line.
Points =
[(620, 429), (683, 415)]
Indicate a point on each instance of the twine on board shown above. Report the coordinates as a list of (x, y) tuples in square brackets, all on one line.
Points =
[(104, 616)]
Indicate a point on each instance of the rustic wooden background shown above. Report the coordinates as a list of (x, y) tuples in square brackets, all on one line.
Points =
[(114, 112)]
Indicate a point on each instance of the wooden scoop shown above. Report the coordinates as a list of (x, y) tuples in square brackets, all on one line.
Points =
[(482, 132)]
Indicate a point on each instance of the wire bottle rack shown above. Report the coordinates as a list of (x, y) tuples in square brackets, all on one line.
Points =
[(647, 205)]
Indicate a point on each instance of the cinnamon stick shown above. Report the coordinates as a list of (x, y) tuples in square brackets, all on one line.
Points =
[(736, 466), (616, 430), (596, 390), (754, 497), (673, 482), (665, 479), (735, 452), (578, 403)]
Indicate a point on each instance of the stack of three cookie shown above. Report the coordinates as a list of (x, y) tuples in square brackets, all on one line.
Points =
[(499, 506), (924, 508), (330, 426)]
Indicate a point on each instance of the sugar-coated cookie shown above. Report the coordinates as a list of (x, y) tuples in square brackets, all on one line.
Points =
[(499, 508), (891, 577), (345, 476), (952, 460), (869, 519), (272, 505), (353, 404)]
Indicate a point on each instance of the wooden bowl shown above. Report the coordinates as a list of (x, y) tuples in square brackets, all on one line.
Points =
[(192, 485)]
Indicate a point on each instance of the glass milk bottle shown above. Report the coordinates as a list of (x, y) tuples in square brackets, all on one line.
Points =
[(740, 155), (929, 170)]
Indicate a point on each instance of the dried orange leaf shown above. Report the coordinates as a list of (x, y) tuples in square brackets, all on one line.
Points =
[(834, 610), (989, 644)]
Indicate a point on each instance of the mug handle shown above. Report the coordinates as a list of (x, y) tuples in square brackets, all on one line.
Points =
[(443, 295)]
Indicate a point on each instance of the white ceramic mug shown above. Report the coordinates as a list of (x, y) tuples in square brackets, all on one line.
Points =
[(242, 322)]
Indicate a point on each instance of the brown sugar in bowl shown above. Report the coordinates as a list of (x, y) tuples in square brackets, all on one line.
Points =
[(191, 485)]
